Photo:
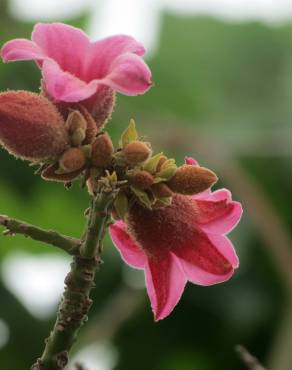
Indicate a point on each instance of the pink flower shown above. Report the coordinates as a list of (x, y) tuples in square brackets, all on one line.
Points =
[(183, 242), (75, 69)]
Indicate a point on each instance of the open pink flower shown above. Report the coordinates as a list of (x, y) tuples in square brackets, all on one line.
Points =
[(74, 68), (183, 242)]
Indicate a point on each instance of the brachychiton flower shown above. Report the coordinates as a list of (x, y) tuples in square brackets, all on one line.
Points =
[(185, 241), (75, 69)]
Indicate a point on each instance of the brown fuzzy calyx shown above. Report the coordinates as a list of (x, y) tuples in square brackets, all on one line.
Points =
[(31, 127), (136, 152), (141, 179), (190, 180), (72, 160), (168, 226), (102, 150), (103, 106)]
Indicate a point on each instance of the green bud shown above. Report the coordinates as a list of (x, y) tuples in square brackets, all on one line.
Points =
[(78, 136), (129, 135)]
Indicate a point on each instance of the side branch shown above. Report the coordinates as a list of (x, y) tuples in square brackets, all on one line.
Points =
[(13, 226)]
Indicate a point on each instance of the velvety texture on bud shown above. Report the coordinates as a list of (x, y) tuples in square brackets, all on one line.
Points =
[(162, 159), (91, 130), (101, 105), (75, 121), (161, 190), (31, 127), (72, 160), (190, 180), (142, 179), (136, 152), (102, 151)]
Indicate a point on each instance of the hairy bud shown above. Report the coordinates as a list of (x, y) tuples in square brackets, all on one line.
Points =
[(91, 130), (142, 180), (31, 127), (161, 190), (136, 152), (102, 151), (162, 160), (75, 121), (72, 160), (103, 106), (190, 180)]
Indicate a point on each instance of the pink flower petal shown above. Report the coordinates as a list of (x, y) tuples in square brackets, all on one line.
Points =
[(165, 283), (66, 45), (21, 49), (104, 52), (191, 161), (203, 262), (129, 251), (225, 247), (129, 75), (217, 213), (63, 86)]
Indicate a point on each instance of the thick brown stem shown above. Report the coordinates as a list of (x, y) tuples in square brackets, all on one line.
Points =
[(76, 303)]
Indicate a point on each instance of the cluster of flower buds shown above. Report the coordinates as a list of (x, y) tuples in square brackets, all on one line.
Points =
[(64, 144), (70, 144), (152, 180)]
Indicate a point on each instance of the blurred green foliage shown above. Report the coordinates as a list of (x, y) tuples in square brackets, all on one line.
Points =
[(208, 74)]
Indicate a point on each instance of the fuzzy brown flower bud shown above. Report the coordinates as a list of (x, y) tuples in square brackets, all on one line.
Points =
[(72, 160), (102, 151), (31, 127), (190, 180), (162, 159), (91, 130), (136, 152), (161, 190), (142, 180), (75, 121)]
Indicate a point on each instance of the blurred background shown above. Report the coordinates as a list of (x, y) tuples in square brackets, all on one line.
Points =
[(223, 94)]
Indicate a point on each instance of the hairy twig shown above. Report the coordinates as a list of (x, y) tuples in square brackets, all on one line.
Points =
[(250, 361), (13, 226), (76, 303)]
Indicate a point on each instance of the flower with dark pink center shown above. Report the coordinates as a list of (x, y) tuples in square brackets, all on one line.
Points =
[(75, 69), (185, 241)]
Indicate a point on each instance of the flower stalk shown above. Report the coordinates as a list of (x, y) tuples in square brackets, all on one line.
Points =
[(75, 304)]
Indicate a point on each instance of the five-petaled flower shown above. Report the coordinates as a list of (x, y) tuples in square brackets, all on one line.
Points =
[(75, 69), (185, 241)]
